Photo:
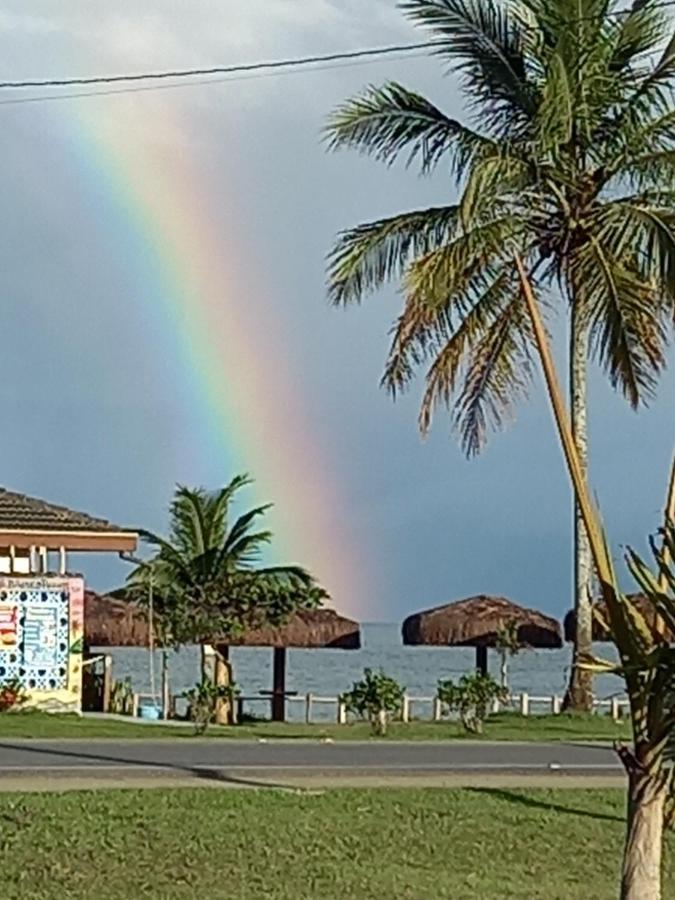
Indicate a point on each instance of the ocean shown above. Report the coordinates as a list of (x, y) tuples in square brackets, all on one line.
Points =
[(330, 672)]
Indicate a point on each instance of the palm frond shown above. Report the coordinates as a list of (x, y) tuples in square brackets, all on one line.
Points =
[(366, 257), (485, 42), (386, 121), (498, 376), (626, 330)]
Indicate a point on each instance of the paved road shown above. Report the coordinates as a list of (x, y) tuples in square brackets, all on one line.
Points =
[(243, 762)]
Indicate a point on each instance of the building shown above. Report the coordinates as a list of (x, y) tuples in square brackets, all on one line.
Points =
[(41, 601)]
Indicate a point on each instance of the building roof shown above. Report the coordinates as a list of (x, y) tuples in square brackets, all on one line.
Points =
[(28, 521)]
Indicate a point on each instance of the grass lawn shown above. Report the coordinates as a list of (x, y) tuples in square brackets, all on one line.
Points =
[(505, 726), (247, 845)]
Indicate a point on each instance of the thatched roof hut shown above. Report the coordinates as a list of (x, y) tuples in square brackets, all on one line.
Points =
[(307, 629), (116, 622), (476, 622), (600, 633)]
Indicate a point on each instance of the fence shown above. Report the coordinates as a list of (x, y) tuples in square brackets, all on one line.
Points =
[(524, 703)]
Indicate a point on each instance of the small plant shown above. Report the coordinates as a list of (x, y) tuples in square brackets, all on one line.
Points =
[(471, 698), (376, 697), (507, 645), (122, 697), (12, 695), (202, 700)]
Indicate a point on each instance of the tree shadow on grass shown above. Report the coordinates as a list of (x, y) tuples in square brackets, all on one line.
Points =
[(530, 802)]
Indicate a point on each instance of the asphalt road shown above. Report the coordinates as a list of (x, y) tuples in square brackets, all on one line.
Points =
[(242, 763)]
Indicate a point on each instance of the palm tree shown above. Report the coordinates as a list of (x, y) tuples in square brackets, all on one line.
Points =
[(206, 576), (569, 162)]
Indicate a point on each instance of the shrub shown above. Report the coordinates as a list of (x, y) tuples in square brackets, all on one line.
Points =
[(471, 698), (202, 700), (122, 697), (376, 697), (12, 695)]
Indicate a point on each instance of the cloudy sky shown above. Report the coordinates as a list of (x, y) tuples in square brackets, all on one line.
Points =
[(103, 405)]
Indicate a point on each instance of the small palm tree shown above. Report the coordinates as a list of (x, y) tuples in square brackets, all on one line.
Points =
[(206, 577), (570, 163)]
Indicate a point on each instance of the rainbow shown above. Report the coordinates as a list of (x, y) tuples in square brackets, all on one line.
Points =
[(227, 364)]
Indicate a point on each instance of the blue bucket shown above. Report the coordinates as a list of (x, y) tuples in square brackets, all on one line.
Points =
[(150, 712)]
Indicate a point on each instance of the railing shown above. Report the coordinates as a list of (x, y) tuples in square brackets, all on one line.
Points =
[(524, 703)]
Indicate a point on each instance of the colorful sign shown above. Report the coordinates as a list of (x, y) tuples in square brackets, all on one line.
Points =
[(40, 636), (8, 622), (41, 632)]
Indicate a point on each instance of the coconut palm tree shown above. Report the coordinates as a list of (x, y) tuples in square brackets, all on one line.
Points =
[(206, 577), (568, 159)]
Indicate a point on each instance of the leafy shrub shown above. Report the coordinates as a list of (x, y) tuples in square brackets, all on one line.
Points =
[(122, 697), (202, 700), (376, 697), (471, 698), (12, 695)]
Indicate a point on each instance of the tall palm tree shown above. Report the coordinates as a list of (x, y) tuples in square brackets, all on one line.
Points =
[(568, 159), (206, 576)]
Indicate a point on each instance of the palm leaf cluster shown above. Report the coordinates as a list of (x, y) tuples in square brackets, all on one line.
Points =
[(568, 159), (206, 577)]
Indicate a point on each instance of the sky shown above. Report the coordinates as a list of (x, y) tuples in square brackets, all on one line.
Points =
[(165, 318)]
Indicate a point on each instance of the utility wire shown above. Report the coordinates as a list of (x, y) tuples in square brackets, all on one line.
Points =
[(177, 85), (220, 70)]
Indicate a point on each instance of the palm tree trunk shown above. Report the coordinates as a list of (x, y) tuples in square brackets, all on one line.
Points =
[(579, 696), (641, 869), (204, 662), (222, 677)]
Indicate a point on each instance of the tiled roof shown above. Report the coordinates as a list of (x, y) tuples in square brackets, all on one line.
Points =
[(21, 513)]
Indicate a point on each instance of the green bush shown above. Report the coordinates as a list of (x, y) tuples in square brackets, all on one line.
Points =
[(202, 700), (376, 697), (471, 698)]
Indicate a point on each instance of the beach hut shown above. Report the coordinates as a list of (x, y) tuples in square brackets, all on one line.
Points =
[(476, 622), (313, 629), (601, 633), (115, 622)]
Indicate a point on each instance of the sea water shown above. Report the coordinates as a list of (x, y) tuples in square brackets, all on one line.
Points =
[(328, 673)]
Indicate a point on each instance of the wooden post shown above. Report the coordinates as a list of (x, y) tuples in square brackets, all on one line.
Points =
[(556, 705), (63, 561), (615, 709), (524, 704), (308, 709), (482, 659), (134, 706), (107, 683), (279, 685), (341, 713), (166, 699), (438, 709), (405, 709)]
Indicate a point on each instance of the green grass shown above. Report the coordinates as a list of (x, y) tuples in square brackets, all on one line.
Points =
[(506, 727), (339, 845)]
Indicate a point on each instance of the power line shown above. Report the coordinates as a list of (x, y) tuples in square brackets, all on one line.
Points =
[(137, 89), (220, 70)]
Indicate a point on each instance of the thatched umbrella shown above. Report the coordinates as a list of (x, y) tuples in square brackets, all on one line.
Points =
[(308, 629), (601, 633), (115, 622), (476, 622)]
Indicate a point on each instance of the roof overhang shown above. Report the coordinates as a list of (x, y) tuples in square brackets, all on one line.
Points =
[(83, 541)]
